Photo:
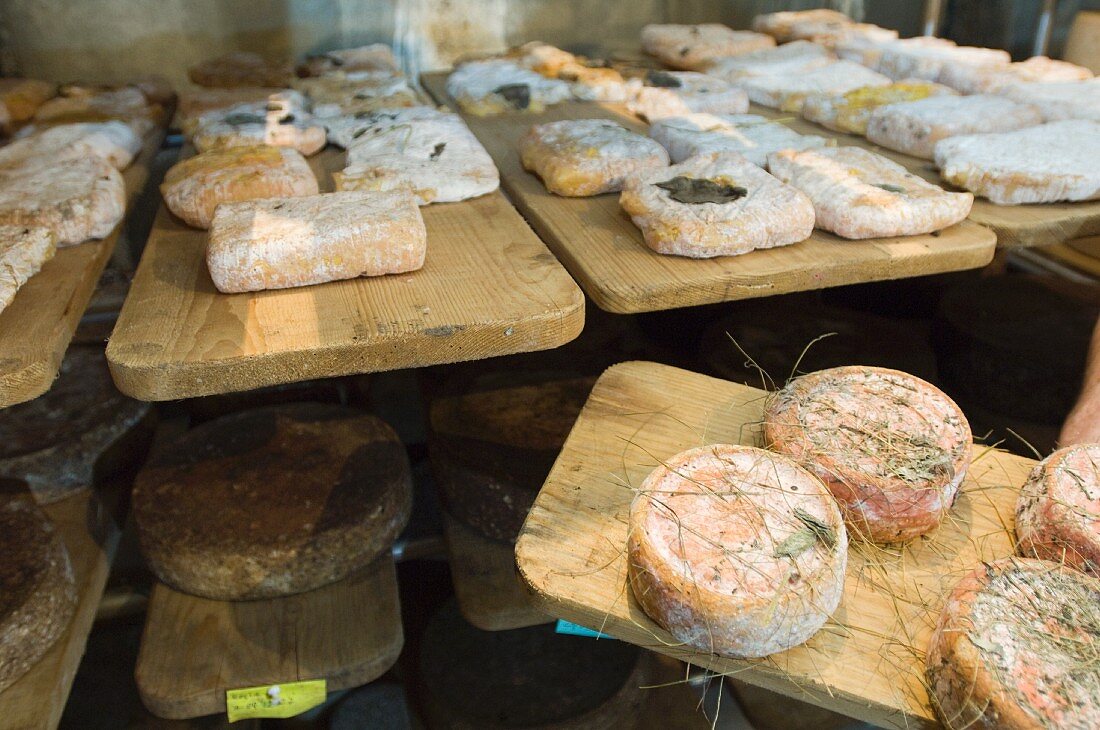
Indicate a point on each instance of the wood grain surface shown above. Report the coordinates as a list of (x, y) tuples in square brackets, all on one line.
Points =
[(488, 588), (605, 252), (868, 660), (194, 649), (91, 536), (489, 287), (36, 328)]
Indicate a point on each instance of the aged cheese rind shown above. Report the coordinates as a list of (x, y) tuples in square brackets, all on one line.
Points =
[(693, 47), (858, 194), (1015, 648), (914, 127), (750, 135), (23, 251), (695, 92), (272, 501), (77, 199), (1043, 164), (849, 111), (892, 448), (115, 142), (37, 591), (768, 215), (193, 188), (278, 243), (1058, 511), (581, 157), (736, 551), (788, 92), (497, 85)]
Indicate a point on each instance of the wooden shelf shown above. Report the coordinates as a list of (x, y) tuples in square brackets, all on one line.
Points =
[(489, 287), (1014, 225), (605, 252), (489, 591), (35, 329), (868, 661), (194, 649), (91, 536)]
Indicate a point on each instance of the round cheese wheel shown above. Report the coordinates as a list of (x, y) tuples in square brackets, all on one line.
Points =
[(1016, 647), (37, 593), (494, 442), (272, 501), (736, 551), (59, 442), (892, 448), (527, 678), (1058, 511)]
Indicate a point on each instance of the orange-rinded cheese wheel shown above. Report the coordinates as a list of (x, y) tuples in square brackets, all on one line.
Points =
[(1058, 511), (1016, 647), (892, 448), (736, 551)]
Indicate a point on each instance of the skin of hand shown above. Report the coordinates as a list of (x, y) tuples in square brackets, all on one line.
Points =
[(1083, 423)]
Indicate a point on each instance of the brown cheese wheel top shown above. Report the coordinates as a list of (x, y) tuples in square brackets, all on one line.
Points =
[(493, 445), (525, 678), (892, 448), (37, 594), (736, 551), (1018, 646), (273, 501), (1058, 511), (53, 441)]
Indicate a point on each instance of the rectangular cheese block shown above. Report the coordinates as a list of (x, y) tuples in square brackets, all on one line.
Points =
[(673, 93), (497, 85), (77, 199), (23, 250), (750, 135), (850, 111), (693, 47), (790, 58), (1058, 100), (858, 194), (787, 92), (914, 127), (286, 242)]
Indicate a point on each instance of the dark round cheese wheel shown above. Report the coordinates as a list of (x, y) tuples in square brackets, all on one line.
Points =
[(781, 336), (378, 706), (37, 593), (493, 442), (58, 442), (526, 678), (273, 501), (1016, 344)]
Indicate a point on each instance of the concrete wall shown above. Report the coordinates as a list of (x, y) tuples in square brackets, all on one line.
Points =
[(112, 40)]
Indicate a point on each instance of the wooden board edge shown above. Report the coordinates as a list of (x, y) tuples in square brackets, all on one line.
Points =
[(172, 380), (177, 707), (1047, 233)]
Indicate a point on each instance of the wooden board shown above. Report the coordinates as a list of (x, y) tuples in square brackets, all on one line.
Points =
[(868, 660), (1014, 225), (490, 594), (91, 536), (605, 252), (489, 287), (194, 649), (35, 329)]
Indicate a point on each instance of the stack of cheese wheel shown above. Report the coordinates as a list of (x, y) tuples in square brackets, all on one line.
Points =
[(892, 448), (1058, 512), (37, 594), (273, 501), (81, 429), (1017, 647), (736, 551), (527, 678), (490, 456)]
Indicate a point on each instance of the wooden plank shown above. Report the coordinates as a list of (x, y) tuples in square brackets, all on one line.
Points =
[(194, 649), (35, 329), (490, 594), (489, 287), (867, 662), (1015, 226), (91, 536), (604, 250)]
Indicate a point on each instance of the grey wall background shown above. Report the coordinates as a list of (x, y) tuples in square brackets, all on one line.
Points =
[(115, 40)]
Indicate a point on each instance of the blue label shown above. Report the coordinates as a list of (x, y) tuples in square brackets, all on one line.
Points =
[(565, 627)]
